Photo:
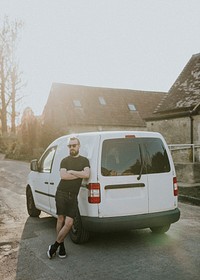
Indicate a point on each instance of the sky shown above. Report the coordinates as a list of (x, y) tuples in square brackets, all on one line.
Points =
[(129, 44)]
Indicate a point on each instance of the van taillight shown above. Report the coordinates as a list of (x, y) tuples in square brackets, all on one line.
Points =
[(94, 193), (175, 184)]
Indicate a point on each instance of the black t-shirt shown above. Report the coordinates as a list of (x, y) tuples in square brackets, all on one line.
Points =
[(72, 163)]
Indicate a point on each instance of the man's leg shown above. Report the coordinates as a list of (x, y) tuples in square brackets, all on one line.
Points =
[(53, 248), (59, 226), (60, 223), (65, 229)]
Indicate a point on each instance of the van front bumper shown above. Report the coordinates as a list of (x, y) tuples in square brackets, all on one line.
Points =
[(106, 224)]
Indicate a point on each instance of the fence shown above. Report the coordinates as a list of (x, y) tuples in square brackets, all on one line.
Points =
[(185, 152)]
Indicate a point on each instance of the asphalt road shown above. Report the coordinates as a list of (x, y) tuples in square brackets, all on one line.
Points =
[(138, 254)]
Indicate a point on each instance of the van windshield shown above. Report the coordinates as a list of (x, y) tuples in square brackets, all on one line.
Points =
[(133, 156)]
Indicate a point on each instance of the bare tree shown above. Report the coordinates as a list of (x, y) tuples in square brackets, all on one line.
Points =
[(3, 79), (10, 77), (15, 86)]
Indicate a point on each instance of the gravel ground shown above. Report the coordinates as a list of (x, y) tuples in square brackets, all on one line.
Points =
[(11, 228)]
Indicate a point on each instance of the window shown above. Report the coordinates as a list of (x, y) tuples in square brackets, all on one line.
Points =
[(102, 100), (131, 107), (136, 156), (77, 103), (45, 163), (157, 160), (120, 157)]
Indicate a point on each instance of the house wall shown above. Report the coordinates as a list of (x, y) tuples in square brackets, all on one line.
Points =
[(197, 129), (188, 174), (177, 131)]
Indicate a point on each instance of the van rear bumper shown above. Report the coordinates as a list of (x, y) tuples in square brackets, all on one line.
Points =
[(130, 222)]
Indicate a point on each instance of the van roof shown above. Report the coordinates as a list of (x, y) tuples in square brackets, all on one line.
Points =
[(113, 133)]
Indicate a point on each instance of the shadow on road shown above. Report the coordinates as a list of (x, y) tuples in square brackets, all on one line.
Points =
[(28, 265), (110, 248)]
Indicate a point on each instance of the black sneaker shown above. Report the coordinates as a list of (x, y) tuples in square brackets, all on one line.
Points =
[(62, 253), (51, 251)]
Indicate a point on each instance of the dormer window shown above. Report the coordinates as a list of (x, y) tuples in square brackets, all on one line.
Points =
[(77, 103), (102, 100), (131, 107)]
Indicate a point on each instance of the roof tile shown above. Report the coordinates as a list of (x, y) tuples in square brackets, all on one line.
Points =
[(60, 105), (185, 92)]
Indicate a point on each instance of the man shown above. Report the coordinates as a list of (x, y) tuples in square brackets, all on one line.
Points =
[(73, 169)]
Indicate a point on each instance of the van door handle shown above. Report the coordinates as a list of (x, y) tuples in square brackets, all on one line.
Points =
[(51, 183), (46, 183), (125, 186)]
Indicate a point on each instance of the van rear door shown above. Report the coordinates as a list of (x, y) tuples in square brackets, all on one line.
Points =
[(160, 171), (122, 178)]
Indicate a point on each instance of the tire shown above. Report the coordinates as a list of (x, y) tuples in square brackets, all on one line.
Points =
[(77, 233), (161, 229), (32, 210)]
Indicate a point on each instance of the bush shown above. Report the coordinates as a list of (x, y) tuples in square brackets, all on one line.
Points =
[(13, 148)]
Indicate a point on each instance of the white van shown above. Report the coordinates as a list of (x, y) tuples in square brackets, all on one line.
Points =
[(132, 184)]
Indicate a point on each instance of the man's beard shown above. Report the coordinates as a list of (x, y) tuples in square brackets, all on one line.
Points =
[(73, 153)]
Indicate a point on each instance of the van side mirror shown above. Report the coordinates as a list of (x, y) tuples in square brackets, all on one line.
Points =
[(34, 165)]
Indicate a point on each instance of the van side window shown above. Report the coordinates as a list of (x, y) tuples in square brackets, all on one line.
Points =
[(156, 156), (120, 157), (46, 161)]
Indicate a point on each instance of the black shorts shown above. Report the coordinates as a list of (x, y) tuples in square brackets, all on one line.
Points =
[(66, 204)]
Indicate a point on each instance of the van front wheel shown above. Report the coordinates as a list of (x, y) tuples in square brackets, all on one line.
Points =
[(77, 233), (32, 210), (161, 229)]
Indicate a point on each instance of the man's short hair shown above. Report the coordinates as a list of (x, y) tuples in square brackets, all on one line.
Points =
[(75, 138)]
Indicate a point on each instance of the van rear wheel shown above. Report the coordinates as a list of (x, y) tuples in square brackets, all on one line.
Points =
[(161, 229), (32, 210), (77, 233)]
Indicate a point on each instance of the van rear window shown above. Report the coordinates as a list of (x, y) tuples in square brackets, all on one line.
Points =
[(156, 158), (133, 156)]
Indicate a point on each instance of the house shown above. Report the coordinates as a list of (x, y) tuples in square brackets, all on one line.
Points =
[(177, 116), (76, 108)]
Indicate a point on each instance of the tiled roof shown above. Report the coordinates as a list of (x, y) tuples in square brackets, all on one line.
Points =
[(184, 95), (84, 105)]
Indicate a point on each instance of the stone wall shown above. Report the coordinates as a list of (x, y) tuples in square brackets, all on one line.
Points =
[(177, 131), (188, 174), (196, 130), (182, 155), (186, 154)]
